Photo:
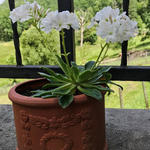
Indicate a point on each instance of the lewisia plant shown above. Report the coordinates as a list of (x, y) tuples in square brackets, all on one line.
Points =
[(90, 79)]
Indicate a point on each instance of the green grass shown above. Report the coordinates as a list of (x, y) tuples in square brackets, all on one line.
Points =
[(133, 97), (90, 52), (4, 99), (6, 50)]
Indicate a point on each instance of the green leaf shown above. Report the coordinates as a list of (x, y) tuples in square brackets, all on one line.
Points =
[(98, 87), (107, 76), (104, 69), (65, 101), (110, 82), (50, 71), (85, 75), (74, 64), (48, 96), (81, 68), (65, 68), (62, 77), (98, 73), (91, 92), (89, 65), (57, 78), (47, 76), (40, 93), (63, 90), (75, 72), (50, 85)]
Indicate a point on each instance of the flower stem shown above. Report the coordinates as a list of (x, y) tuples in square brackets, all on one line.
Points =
[(104, 55), (102, 49), (64, 47)]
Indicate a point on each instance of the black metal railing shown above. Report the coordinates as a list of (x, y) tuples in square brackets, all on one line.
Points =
[(122, 72)]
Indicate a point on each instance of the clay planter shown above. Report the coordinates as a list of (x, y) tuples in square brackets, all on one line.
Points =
[(41, 124)]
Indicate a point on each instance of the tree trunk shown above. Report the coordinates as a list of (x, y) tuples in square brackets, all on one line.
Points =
[(82, 23), (81, 36)]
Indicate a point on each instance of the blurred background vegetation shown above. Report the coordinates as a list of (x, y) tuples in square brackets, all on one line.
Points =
[(134, 95)]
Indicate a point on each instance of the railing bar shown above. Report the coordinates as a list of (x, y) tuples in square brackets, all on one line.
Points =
[(15, 35), (130, 73), (69, 34), (125, 43)]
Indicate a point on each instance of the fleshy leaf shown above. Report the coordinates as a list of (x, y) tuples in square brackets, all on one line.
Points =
[(85, 75), (115, 84), (65, 101), (62, 65), (89, 64), (50, 71), (63, 90), (98, 87), (91, 92)]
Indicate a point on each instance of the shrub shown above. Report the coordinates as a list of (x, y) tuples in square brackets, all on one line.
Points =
[(5, 28), (35, 48), (90, 36)]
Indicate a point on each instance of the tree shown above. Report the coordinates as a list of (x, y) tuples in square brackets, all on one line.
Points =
[(133, 9), (83, 19), (5, 28), (38, 50)]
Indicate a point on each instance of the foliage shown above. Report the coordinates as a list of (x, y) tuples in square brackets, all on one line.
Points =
[(5, 28), (39, 51), (88, 80), (133, 9), (90, 36)]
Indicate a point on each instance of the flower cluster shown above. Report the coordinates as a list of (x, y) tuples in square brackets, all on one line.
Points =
[(22, 13), (46, 20), (1, 1), (59, 20), (113, 26)]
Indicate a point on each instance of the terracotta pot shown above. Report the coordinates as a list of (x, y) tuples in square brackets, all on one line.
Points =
[(41, 124)]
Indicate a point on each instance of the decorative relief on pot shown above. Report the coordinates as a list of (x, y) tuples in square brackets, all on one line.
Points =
[(39, 122), (83, 118), (26, 137), (87, 136), (68, 143), (60, 122)]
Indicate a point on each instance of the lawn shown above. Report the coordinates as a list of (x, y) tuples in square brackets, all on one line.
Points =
[(6, 50), (133, 97)]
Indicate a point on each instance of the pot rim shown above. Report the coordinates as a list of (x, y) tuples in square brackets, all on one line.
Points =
[(38, 102)]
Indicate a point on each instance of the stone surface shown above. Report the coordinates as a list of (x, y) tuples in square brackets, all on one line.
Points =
[(126, 129)]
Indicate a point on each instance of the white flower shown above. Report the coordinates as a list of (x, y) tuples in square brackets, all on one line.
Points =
[(107, 31), (126, 28), (21, 13), (47, 24), (106, 14), (59, 20), (24, 12), (73, 21), (114, 27), (1, 1)]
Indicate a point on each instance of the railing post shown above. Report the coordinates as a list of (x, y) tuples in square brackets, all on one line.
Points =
[(15, 36), (69, 34), (125, 43)]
